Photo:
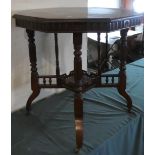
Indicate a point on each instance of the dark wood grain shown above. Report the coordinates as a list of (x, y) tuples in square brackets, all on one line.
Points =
[(78, 101), (34, 74), (57, 58), (99, 57), (78, 113), (122, 73), (77, 13), (77, 19)]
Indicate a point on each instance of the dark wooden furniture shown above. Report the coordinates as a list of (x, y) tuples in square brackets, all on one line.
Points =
[(77, 21)]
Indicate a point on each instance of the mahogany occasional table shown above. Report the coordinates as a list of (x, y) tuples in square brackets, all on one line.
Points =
[(77, 21)]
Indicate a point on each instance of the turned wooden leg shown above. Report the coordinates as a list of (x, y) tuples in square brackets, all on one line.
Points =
[(99, 58), (78, 102), (34, 74), (127, 97), (57, 58), (30, 99), (122, 72)]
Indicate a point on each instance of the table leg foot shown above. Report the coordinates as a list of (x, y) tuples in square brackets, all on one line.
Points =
[(78, 110), (30, 100), (77, 150), (79, 134), (127, 97)]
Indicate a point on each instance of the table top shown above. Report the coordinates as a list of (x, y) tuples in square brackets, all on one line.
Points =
[(81, 16), (78, 13)]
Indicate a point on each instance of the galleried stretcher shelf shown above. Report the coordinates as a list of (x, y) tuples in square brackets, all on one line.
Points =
[(78, 21)]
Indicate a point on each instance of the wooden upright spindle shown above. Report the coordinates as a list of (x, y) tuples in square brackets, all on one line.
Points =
[(99, 57), (50, 80), (106, 45), (77, 41), (44, 80), (106, 54), (107, 80), (112, 79), (57, 58)]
